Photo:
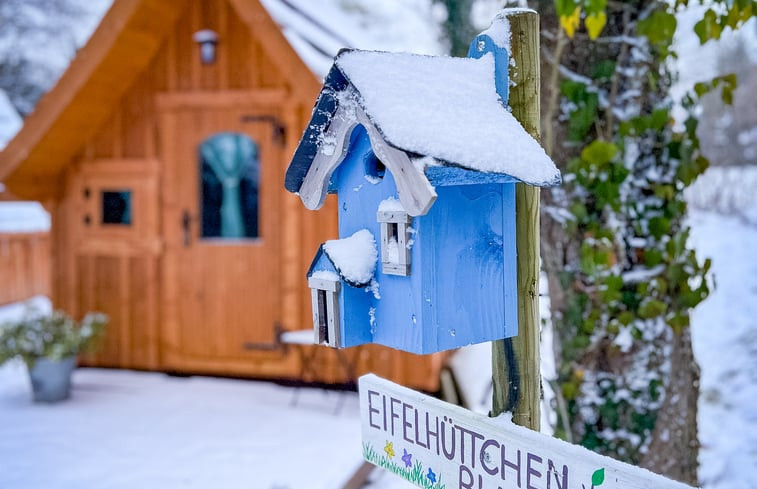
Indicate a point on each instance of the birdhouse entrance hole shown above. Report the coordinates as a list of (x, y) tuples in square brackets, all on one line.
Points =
[(374, 168)]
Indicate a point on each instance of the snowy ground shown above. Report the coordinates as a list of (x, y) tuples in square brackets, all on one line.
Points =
[(725, 343), (124, 429), (132, 430), (127, 429)]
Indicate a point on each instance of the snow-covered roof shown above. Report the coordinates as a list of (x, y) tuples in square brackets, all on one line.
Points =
[(436, 109), (10, 121), (353, 257), (446, 108)]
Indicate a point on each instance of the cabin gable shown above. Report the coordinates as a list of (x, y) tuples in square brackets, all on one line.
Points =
[(146, 151)]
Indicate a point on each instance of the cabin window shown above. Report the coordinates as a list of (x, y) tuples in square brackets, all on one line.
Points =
[(324, 288), (116, 207), (230, 176), (395, 241)]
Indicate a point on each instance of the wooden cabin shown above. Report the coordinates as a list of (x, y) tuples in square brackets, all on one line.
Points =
[(120, 152)]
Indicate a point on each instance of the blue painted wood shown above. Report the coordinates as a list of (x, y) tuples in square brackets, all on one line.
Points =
[(358, 201), (443, 176), (466, 275), (483, 45), (461, 289)]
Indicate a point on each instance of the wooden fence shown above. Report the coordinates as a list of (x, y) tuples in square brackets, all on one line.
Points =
[(24, 266)]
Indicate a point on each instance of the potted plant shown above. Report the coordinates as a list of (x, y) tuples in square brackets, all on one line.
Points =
[(48, 344)]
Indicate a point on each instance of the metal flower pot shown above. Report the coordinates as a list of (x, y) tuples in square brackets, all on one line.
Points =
[(51, 379)]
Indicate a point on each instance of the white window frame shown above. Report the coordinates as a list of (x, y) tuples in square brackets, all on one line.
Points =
[(325, 302), (395, 223)]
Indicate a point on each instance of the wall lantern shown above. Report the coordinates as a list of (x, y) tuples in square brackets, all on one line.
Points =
[(207, 39)]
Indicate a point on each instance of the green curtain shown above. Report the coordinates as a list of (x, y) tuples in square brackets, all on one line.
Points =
[(228, 155)]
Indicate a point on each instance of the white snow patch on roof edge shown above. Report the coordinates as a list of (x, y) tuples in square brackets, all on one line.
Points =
[(355, 256)]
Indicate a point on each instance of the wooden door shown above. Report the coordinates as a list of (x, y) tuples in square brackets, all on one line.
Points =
[(221, 292)]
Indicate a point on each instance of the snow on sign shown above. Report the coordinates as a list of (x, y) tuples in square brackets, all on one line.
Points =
[(436, 445)]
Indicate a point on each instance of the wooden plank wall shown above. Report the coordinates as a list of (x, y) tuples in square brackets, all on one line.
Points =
[(24, 266)]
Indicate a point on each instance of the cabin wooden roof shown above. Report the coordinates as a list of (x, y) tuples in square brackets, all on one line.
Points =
[(120, 49)]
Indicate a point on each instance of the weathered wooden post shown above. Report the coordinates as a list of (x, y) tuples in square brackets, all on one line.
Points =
[(515, 361)]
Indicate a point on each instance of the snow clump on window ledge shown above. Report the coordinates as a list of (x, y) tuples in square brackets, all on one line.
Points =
[(355, 256)]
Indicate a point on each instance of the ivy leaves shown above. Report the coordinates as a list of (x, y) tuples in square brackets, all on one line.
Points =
[(733, 14), (569, 12), (659, 28), (630, 277)]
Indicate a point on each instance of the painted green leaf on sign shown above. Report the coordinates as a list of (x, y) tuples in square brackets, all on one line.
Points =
[(598, 477)]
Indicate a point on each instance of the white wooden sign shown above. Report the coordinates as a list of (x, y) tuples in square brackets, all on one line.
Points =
[(436, 445)]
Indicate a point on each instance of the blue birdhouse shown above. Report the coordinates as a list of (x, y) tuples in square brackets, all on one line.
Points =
[(424, 156)]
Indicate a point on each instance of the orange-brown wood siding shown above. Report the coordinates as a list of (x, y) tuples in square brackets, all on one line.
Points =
[(24, 266), (133, 274)]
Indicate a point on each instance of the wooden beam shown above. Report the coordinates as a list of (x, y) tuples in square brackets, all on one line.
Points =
[(263, 97), (516, 376)]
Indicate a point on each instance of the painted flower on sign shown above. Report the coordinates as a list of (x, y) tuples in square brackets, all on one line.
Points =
[(389, 449), (431, 476), (407, 458)]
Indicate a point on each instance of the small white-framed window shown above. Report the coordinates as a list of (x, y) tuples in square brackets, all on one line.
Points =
[(395, 235), (324, 288)]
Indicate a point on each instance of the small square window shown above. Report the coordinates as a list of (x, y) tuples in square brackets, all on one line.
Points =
[(116, 207), (395, 245)]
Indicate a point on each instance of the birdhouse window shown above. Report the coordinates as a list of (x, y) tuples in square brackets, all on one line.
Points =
[(395, 238), (229, 172), (116, 207), (324, 287)]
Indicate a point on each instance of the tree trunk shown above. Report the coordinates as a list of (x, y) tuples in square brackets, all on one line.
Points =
[(674, 449)]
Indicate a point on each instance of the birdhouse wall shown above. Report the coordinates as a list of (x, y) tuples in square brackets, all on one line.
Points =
[(469, 271), (398, 313), (462, 282)]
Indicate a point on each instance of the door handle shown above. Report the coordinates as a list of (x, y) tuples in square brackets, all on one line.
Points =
[(186, 228)]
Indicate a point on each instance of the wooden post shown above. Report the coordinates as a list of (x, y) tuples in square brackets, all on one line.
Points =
[(515, 361)]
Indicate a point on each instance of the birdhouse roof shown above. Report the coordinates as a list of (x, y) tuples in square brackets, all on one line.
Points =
[(441, 111), (354, 258)]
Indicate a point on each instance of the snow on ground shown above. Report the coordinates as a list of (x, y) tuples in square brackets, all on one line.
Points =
[(724, 329), (124, 429)]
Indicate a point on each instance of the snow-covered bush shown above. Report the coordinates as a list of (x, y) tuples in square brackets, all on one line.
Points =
[(54, 336)]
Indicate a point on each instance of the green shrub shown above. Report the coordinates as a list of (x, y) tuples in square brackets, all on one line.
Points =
[(54, 336)]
